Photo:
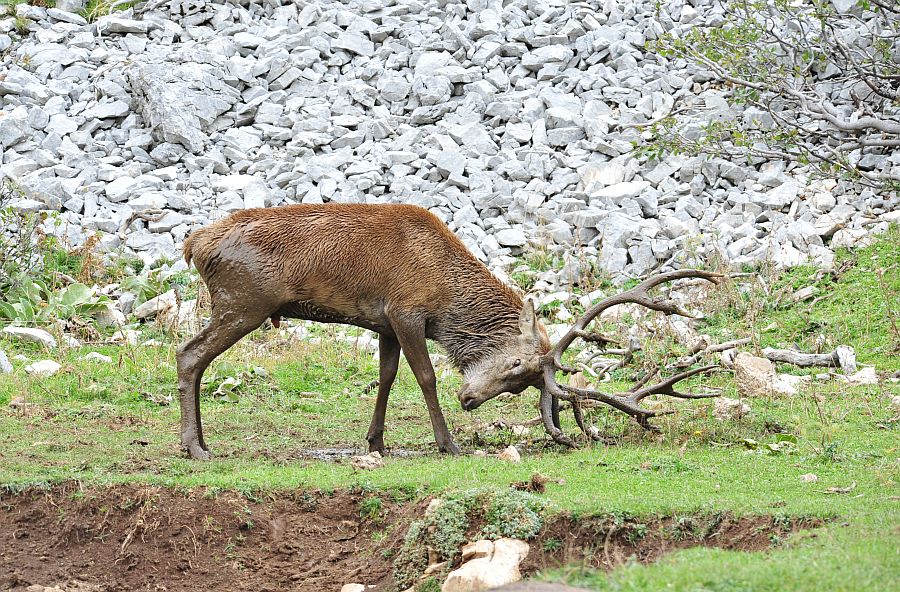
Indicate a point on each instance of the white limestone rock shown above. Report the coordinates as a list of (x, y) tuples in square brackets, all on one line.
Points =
[(43, 368), (32, 335)]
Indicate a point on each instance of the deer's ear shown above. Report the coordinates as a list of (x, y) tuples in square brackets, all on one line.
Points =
[(528, 322)]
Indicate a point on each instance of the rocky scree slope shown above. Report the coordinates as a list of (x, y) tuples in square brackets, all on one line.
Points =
[(513, 121)]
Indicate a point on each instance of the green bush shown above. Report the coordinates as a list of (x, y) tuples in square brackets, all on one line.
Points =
[(503, 512)]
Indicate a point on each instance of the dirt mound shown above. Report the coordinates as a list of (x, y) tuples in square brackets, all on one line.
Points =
[(607, 542), (132, 537), (152, 538)]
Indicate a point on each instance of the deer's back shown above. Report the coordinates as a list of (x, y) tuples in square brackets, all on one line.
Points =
[(345, 255)]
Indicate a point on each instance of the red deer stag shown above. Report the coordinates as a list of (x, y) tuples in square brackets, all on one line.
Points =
[(400, 272), (394, 269)]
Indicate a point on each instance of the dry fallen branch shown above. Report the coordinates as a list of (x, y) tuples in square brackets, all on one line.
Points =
[(149, 215), (842, 357)]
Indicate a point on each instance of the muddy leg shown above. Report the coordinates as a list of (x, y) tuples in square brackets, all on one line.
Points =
[(225, 328), (388, 360), (411, 335)]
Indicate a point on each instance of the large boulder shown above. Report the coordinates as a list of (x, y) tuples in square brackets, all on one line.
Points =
[(488, 571), (754, 375), (179, 102)]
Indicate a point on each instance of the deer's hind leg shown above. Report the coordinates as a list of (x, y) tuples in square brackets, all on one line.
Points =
[(227, 324), (388, 361)]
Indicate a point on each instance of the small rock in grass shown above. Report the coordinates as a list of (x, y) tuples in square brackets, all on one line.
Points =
[(865, 376), (728, 357), (520, 430), (809, 478), (155, 306), (43, 368), (433, 505), (5, 365), (96, 357), (369, 461), (31, 335), (70, 341), (730, 409), (895, 403), (804, 294), (788, 384), (19, 404), (510, 454), (129, 336)]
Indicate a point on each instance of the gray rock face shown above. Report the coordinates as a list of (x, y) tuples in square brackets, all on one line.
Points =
[(180, 101)]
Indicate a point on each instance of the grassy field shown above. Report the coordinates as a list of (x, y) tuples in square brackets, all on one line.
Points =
[(297, 402)]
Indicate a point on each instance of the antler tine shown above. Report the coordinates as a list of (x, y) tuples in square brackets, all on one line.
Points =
[(639, 295), (549, 405), (629, 402), (665, 387)]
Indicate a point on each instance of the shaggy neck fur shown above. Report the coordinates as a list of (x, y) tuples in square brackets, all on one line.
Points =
[(484, 318)]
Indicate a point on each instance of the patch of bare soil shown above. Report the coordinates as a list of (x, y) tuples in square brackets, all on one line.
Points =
[(133, 537), (608, 542), (153, 538)]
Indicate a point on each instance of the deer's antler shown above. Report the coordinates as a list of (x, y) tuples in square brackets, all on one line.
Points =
[(628, 402)]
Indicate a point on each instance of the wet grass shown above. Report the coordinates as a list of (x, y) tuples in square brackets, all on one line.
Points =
[(111, 423)]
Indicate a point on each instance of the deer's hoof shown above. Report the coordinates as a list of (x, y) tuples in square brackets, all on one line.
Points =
[(197, 452), (449, 448)]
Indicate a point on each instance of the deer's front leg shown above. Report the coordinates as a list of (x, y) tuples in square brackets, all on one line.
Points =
[(411, 334)]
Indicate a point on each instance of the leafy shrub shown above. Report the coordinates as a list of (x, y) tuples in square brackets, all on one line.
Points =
[(371, 508), (19, 239), (412, 559), (505, 513), (31, 301), (512, 513)]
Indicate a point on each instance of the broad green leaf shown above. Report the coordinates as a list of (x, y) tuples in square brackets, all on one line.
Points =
[(75, 295), (7, 311)]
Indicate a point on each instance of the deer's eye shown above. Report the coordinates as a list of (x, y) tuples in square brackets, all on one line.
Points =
[(517, 363)]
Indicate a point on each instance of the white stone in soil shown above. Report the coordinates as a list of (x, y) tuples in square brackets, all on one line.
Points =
[(5, 366), (155, 306), (502, 567), (96, 357)]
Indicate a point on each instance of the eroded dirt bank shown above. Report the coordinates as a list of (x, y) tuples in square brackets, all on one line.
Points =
[(134, 537)]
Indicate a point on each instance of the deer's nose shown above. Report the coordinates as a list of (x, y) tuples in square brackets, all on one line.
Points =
[(468, 401)]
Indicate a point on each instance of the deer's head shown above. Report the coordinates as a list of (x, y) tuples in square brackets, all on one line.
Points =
[(512, 368)]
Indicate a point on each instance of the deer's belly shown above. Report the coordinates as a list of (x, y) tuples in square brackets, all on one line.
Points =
[(310, 311)]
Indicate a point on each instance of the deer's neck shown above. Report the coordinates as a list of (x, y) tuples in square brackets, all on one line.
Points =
[(483, 318)]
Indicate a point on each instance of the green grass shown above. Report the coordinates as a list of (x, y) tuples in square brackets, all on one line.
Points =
[(858, 305), (98, 424)]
